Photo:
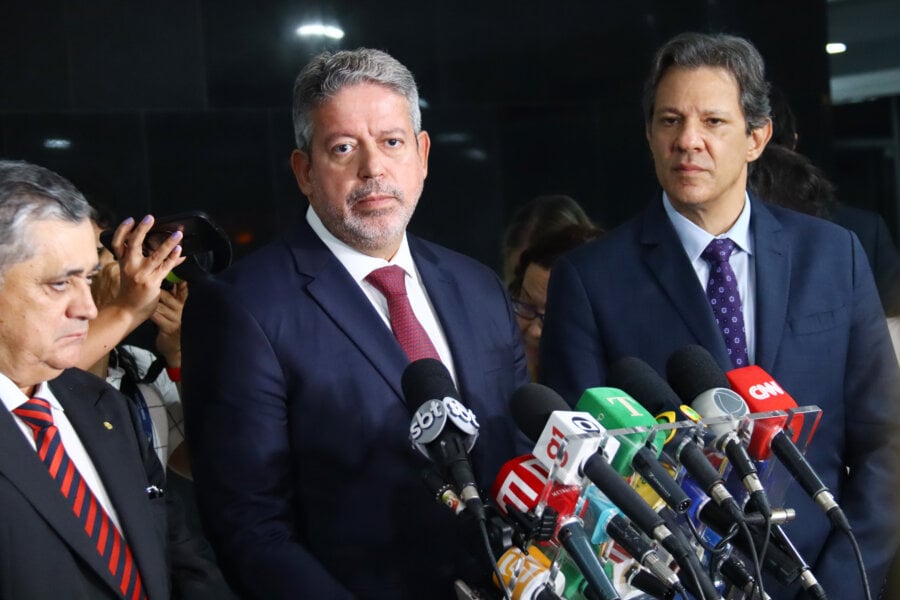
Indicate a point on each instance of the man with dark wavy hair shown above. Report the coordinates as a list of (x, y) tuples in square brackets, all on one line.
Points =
[(800, 303)]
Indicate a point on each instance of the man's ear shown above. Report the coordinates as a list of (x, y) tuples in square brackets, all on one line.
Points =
[(423, 147), (301, 164), (759, 137)]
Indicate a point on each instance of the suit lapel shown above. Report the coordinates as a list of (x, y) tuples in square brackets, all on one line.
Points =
[(447, 299), (664, 255), (20, 464), (773, 274), (103, 425), (340, 298), (338, 295)]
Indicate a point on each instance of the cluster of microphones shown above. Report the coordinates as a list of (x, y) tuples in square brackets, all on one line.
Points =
[(655, 492)]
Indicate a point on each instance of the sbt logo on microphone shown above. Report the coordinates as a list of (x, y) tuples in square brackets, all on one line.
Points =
[(764, 391), (431, 418), (568, 439)]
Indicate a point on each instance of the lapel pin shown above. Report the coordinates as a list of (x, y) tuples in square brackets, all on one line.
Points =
[(107, 424)]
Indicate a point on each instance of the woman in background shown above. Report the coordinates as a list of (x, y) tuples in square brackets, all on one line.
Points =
[(528, 288), (541, 216)]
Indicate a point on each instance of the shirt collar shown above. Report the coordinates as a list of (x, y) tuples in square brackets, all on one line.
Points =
[(695, 239), (359, 265), (12, 397)]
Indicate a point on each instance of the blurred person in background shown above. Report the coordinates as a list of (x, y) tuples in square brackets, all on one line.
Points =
[(528, 289), (137, 293), (783, 176), (151, 381), (151, 384), (538, 217)]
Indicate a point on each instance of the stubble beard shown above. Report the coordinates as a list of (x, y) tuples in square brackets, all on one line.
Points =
[(373, 230)]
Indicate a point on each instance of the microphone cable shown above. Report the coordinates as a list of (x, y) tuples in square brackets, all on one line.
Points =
[(859, 561), (714, 550), (754, 557), (763, 550), (485, 537), (721, 546), (689, 567), (767, 528)]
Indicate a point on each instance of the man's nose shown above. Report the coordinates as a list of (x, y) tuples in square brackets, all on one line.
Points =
[(690, 137), (82, 306), (370, 163)]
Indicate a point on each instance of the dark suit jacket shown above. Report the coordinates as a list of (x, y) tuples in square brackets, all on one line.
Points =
[(44, 553), (299, 432), (820, 332), (876, 240)]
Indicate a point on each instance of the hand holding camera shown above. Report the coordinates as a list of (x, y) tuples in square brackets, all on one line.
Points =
[(141, 272), (204, 244)]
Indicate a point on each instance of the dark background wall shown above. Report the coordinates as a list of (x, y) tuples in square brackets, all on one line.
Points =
[(185, 104)]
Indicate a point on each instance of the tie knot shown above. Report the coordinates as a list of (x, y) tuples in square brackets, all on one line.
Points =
[(390, 280), (719, 250), (35, 412)]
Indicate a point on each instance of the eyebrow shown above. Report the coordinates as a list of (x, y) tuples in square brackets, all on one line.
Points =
[(384, 132), (76, 272), (706, 112), (393, 130), (525, 296)]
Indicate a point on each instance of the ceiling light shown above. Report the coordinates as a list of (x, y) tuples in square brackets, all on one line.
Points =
[(476, 154), (57, 144), (835, 48), (453, 138), (320, 30)]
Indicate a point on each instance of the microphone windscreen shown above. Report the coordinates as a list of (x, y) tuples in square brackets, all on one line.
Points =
[(426, 379), (692, 370), (644, 384), (531, 406)]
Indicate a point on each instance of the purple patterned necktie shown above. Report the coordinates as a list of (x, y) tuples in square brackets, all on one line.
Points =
[(96, 523), (391, 282), (725, 299)]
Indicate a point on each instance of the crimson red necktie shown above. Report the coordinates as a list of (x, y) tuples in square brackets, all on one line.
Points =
[(725, 299), (97, 524), (391, 281)]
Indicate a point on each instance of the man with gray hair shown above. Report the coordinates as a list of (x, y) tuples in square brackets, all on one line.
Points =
[(82, 501), (798, 297), (297, 423)]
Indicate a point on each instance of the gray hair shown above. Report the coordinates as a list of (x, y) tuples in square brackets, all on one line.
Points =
[(734, 54), (30, 193), (328, 73)]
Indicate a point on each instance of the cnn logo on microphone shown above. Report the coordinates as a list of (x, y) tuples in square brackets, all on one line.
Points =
[(764, 391)]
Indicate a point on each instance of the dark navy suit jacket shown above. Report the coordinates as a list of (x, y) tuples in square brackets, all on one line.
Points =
[(299, 432), (44, 553), (875, 238), (820, 332)]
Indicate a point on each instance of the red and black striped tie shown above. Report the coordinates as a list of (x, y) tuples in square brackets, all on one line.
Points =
[(97, 524)]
